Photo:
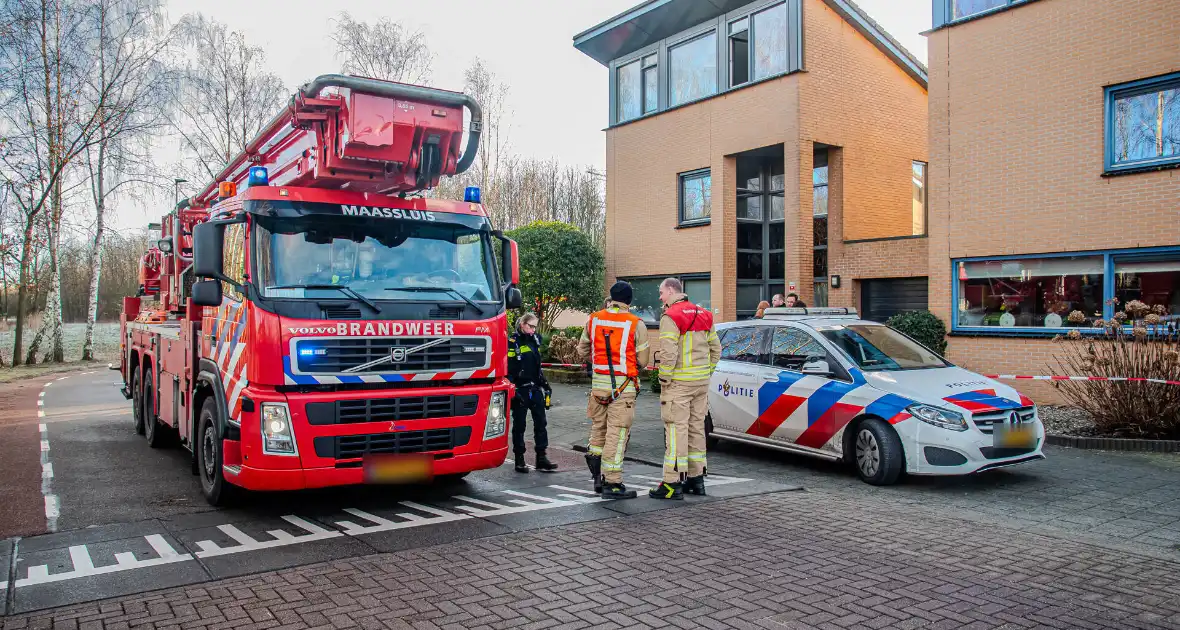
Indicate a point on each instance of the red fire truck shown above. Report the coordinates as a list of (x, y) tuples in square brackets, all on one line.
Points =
[(311, 319)]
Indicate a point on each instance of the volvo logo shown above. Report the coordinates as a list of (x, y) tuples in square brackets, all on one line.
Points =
[(397, 355)]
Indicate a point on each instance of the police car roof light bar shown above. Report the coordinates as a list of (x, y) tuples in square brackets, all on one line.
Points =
[(783, 312)]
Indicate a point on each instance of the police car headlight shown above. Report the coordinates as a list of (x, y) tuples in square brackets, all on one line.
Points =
[(939, 417), (497, 422), (277, 436)]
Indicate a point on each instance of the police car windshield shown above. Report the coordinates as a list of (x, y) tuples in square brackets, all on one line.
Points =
[(374, 258), (880, 348)]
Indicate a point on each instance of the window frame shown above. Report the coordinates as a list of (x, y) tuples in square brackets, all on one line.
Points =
[(681, 178), (719, 26), (764, 332), (944, 12), (685, 40), (683, 277), (925, 196), (818, 280), (1113, 93), (1109, 257), (236, 270)]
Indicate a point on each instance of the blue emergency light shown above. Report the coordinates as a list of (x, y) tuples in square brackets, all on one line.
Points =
[(258, 176), (471, 194)]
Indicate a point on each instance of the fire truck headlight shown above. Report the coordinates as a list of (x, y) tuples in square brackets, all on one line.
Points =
[(277, 437), (497, 422)]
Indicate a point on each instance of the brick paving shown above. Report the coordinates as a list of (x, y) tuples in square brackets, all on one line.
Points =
[(1120, 500), (782, 560)]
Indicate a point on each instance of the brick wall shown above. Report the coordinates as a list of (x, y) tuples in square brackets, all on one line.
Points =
[(851, 95), (1016, 144)]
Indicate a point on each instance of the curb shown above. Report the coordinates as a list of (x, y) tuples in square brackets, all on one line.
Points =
[(1114, 444)]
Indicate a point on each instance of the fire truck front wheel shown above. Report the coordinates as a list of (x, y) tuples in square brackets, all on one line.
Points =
[(216, 489)]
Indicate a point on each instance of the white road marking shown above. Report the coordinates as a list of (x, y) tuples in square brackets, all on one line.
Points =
[(84, 565), (52, 505), (280, 538), (385, 525)]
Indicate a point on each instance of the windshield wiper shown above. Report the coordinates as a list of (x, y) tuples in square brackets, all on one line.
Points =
[(343, 288), (439, 290)]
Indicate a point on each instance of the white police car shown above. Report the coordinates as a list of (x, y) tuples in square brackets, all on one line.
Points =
[(822, 382)]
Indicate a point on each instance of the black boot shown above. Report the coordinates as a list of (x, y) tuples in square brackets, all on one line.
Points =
[(594, 463), (543, 463), (667, 491), (616, 491), (520, 465), (695, 485)]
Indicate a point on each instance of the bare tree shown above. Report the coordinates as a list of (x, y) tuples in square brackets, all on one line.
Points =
[(120, 157), (223, 95), (481, 83), (384, 49)]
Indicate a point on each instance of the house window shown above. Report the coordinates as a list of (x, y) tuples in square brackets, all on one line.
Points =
[(967, 8), (1143, 123), (692, 69), (696, 190), (630, 90), (739, 52), (819, 220), (761, 232), (1153, 280), (770, 42), (651, 85), (920, 196), (645, 295)]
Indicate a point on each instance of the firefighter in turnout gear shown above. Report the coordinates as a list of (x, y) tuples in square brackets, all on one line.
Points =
[(532, 392), (615, 341), (688, 352)]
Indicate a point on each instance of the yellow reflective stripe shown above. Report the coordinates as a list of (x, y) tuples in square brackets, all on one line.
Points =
[(524, 349), (682, 461), (696, 457), (686, 352), (594, 450), (511, 353), (670, 455), (669, 335), (642, 346), (617, 463)]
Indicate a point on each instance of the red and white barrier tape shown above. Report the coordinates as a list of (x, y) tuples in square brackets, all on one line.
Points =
[(1117, 379)]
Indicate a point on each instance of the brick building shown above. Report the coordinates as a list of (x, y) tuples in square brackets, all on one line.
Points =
[(762, 147), (1054, 142)]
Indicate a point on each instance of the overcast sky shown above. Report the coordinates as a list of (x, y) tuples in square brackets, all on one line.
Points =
[(558, 95)]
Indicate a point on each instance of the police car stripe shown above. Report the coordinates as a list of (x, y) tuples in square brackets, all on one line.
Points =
[(982, 401)]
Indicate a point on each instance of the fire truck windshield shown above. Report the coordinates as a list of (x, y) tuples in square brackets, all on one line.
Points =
[(379, 260)]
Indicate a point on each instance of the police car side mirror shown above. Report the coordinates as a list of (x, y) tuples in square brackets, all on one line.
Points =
[(513, 298)]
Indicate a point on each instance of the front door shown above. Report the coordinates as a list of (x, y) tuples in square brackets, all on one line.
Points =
[(733, 402), (785, 390)]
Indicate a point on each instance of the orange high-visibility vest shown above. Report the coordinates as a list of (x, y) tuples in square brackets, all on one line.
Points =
[(619, 328)]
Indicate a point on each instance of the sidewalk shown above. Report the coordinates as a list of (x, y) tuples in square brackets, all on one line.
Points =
[(777, 561)]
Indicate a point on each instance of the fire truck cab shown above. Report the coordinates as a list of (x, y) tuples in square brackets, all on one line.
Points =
[(318, 321)]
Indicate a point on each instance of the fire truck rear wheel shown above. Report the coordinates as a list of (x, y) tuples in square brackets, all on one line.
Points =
[(156, 435), (137, 401), (216, 489)]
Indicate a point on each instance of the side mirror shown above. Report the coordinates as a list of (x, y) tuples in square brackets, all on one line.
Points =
[(817, 366), (207, 242), (509, 259), (513, 298), (207, 293)]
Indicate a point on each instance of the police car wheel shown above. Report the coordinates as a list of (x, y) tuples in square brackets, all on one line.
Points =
[(710, 441), (877, 453)]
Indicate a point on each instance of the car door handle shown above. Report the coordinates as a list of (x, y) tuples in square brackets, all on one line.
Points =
[(770, 377)]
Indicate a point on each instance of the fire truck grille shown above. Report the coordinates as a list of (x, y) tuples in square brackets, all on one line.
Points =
[(335, 356), (390, 409), (428, 441)]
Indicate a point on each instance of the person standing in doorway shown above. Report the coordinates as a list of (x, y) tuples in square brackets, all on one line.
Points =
[(524, 369), (689, 351), (615, 341)]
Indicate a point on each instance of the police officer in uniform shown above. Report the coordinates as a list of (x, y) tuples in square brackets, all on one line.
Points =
[(532, 392)]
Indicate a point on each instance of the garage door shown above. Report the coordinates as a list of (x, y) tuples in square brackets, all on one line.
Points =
[(882, 299)]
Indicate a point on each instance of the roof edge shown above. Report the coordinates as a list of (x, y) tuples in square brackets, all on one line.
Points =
[(881, 38)]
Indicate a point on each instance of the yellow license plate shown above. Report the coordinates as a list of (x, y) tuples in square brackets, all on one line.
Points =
[(398, 469), (1018, 436)]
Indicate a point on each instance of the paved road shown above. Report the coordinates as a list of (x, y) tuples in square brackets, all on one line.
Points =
[(1121, 500), (137, 545)]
